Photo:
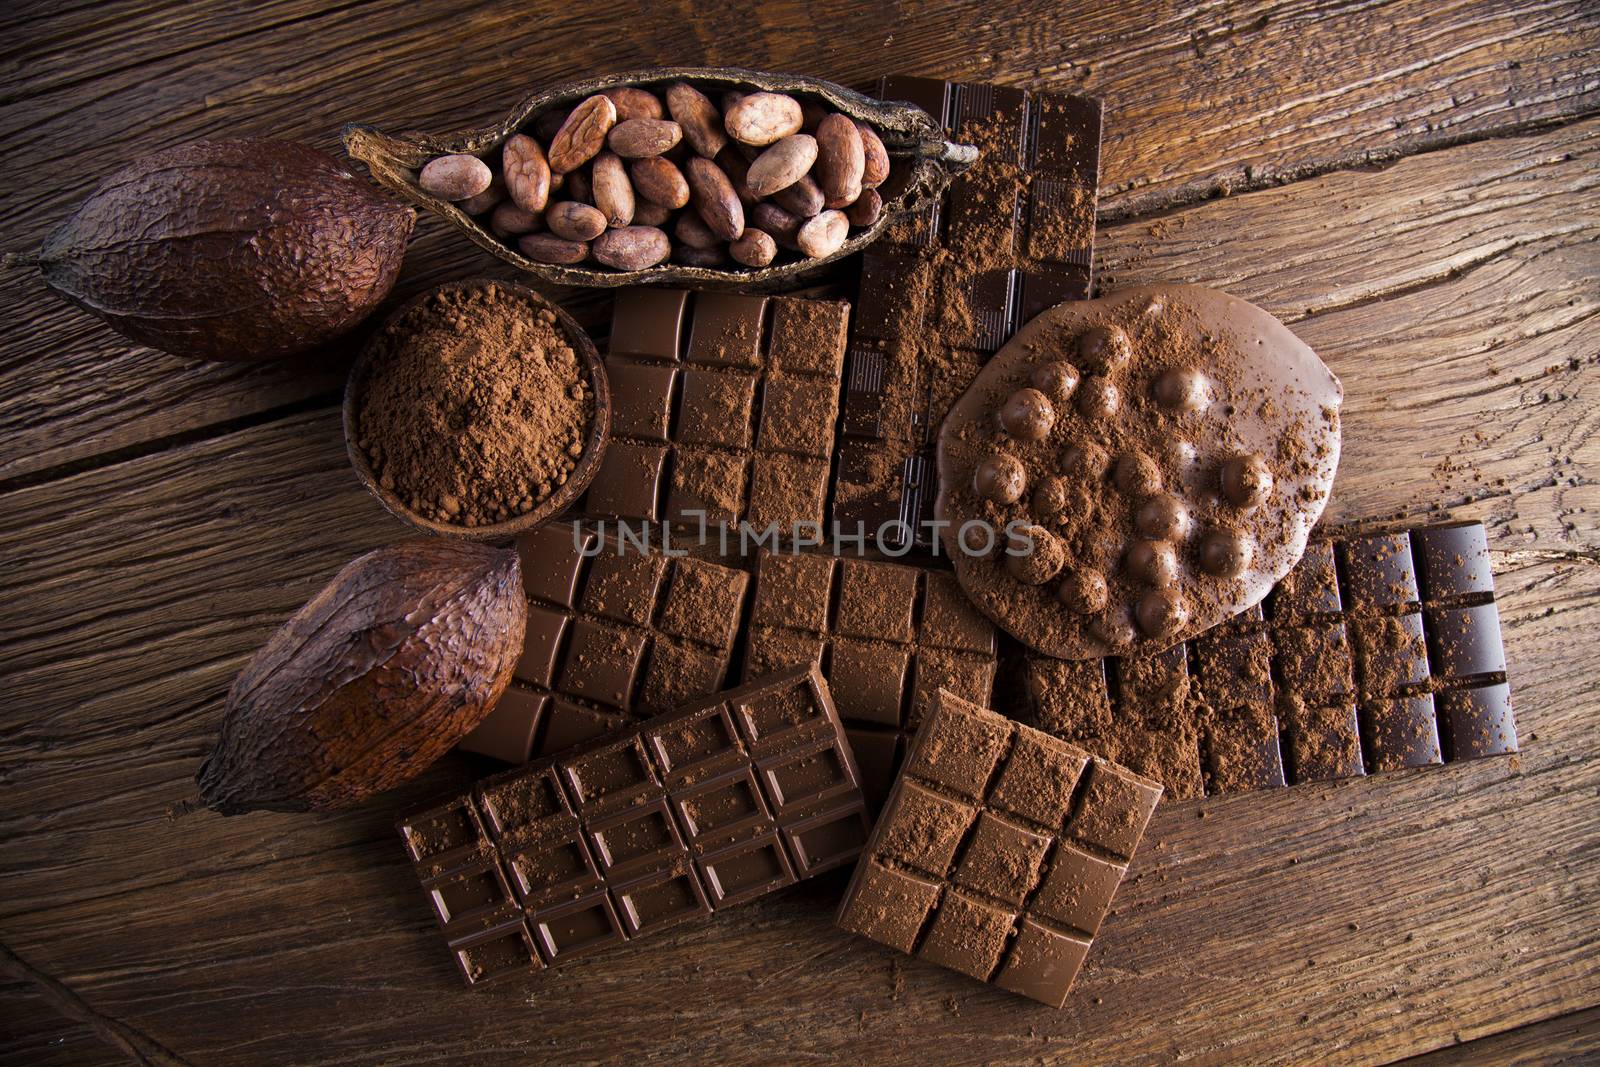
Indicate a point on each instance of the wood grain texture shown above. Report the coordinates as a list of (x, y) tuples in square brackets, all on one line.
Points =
[(1199, 99), (1568, 1039), (1355, 923)]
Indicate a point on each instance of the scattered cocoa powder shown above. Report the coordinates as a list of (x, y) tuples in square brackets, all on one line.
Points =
[(476, 406)]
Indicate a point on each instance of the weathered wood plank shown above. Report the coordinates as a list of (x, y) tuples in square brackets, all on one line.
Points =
[(1200, 98), (1571, 1038), (137, 590)]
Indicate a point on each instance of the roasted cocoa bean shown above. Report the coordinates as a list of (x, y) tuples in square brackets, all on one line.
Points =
[(762, 118), (737, 168), (613, 193), (867, 208), (876, 157), (548, 248), (783, 164), (774, 220), (689, 230), (642, 138), (527, 172), (803, 198), (634, 103), (631, 247), (699, 117), (713, 197), (754, 248), (660, 182), (573, 221), (646, 213), (583, 134), (841, 158), (455, 177), (509, 220), (823, 235)]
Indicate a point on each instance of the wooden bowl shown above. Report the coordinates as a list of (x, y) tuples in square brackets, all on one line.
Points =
[(564, 496)]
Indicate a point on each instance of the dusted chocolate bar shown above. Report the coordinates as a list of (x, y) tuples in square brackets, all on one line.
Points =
[(943, 290), (888, 638), (721, 801), (998, 851), (1377, 651), (611, 637), (723, 407)]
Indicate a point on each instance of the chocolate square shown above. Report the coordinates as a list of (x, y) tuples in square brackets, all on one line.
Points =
[(875, 600), (541, 644), (1078, 890), (730, 802), (647, 322), (890, 906), (868, 679), (823, 842), (771, 650), (792, 591), (1400, 733), (703, 602), (923, 828), (707, 487), (1391, 653), (602, 662), (964, 674), (552, 562), (1315, 660), (1452, 561), (1002, 860), (1378, 571), (1324, 739), (567, 724), (716, 409), (1038, 778), (1311, 587), (950, 621), (659, 901), (1464, 642), (960, 749), (502, 952), (809, 335), (627, 485), (610, 776), (621, 588), (785, 490), (1043, 964), (586, 925), (1475, 722), (640, 836), (525, 801), (967, 935), (746, 870), (726, 330), (549, 866), (641, 399), (676, 671), (797, 415), (508, 732), (1114, 809), (877, 754)]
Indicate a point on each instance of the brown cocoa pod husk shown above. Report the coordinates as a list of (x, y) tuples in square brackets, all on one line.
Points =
[(823, 235), (737, 168), (380, 674), (699, 257), (841, 159), (875, 162), (631, 247), (646, 213), (713, 196), (573, 221), (527, 172), (782, 164), (583, 134), (509, 220), (867, 208), (692, 232), (771, 218), (548, 248), (660, 182), (754, 248), (804, 198), (548, 124), (762, 118), (699, 117), (613, 193), (642, 138), (455, 177), (632, 103)]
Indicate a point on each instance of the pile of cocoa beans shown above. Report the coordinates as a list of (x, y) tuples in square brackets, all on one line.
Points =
[(630, 178)]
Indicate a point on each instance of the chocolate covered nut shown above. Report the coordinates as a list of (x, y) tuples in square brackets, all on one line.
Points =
[(1051, 497), (613, 193), (1137, 475), (455, 177), (1028, 414), (1001, 478), (875, 157), (548, 248), (1056, 380), (701, 122), (527, 173), (866, 210), (1162, 518), (781, 165), (754, 248), (573, 221), (1246, 480), (1181, 389), (841, 157), (760, 119), (631, 247), (582, 135), (713, 197), (1105, 349), (1153, 562), (1035, 555), (1224, 553), (823, 235), (634, 103), (1083, 592), (642, 138), (1161, 613), (1084, 461), (1098, 399), (660, 182)]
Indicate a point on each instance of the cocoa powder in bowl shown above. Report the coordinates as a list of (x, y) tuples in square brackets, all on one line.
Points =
[(473, 406)]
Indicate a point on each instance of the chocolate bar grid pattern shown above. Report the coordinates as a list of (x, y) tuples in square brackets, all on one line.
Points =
[(1059, 179), (1377, 652), (888, 637), (723, 404), (611, 638), (998, 852), (714, 804)]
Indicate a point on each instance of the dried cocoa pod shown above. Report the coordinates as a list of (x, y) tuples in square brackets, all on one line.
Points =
[(583, 134), (548, 248), (660, 182), (783, 164), (754, 248), (613, 193), (631, 247), (380, 674), (290, 251), (527, 173), (841, 158), (509, 220), (642, 138), (713, 197), (455, 177), (573, 221), (823, 235), (634, 103), (692, 232), (875, 164), (699, 117), (774, 220), (803, 198), (867, 208), (646, 213), (762, 118)]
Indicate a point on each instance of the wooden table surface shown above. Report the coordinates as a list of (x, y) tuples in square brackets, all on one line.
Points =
[(1414, 185)]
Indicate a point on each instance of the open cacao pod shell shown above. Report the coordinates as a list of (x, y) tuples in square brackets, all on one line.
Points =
[(922, 162)]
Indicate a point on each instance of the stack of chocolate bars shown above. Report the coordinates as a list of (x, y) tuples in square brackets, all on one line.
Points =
[(643, 793)]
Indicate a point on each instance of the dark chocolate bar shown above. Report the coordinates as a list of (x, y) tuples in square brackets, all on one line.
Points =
[(723, 405), (721, 801), (1378, 651), (998, 851), (944, 289), (888, 638), (612, 637)]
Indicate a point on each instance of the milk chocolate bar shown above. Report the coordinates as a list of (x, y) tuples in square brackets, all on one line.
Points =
[(943, 290), (613, 636), (888, 637), (1378, 651), (723, 408), (723, 800), (998, 851)]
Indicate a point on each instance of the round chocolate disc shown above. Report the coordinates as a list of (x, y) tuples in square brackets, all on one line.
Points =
[(1173, 484)]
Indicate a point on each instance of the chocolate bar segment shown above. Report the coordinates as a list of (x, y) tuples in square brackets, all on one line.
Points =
[(1378, 651), (712, 804), (614, 634), (888, 637), (998, 851), (945, 289), (724, 408)]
